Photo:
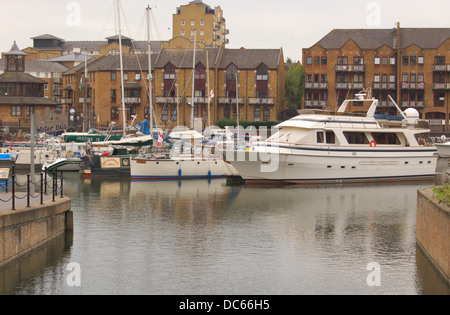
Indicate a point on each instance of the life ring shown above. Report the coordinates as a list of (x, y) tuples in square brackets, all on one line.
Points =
[(69, 154), (373, 143)]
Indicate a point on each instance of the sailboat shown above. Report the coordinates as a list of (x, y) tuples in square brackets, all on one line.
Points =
[(190, 156)]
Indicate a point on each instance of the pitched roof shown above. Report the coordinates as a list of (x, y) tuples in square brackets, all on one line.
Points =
[(47, 36), (19, 77), (26, 100), (183, 58), (15, 51), (39, 66), (375, 38), (250, 58)]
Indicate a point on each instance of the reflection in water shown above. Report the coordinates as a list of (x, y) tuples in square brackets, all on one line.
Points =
[(203, 237)]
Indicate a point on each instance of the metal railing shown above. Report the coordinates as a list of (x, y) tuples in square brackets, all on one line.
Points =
[(46, 186)]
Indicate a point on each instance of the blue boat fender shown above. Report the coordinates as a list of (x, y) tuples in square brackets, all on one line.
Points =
[(179, 172)]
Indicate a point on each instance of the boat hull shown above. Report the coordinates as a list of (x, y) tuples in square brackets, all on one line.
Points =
[(443, 150), (108, 166), (64, 164), (170, 169), (310, 165)]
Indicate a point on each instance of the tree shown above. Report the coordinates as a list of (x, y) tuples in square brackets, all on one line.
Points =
[(295, 78)]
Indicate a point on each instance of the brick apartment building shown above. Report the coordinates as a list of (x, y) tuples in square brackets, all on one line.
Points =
[(260, 87), (412, 65)]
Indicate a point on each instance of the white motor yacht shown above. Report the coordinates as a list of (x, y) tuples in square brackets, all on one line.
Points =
[(323, 147)]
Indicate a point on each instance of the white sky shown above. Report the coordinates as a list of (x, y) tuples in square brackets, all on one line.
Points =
[(290, 24)]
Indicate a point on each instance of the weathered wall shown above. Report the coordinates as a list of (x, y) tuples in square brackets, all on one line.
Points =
[(24, 230), (433, 230)]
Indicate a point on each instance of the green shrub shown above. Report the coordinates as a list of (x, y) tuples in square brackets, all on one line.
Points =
[(442, 194)]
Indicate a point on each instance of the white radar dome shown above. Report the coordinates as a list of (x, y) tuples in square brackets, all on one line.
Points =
[(412, 113)]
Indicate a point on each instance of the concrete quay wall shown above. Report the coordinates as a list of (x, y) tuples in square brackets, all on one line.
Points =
[(26, 229), (433, 230)]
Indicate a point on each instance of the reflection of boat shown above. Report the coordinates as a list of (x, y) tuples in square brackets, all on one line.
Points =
[(319, 146)]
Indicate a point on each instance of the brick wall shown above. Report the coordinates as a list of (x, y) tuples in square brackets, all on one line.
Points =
[(433, 230), (22, 231)]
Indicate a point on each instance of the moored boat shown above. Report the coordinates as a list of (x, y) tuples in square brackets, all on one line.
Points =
[(324, 147)]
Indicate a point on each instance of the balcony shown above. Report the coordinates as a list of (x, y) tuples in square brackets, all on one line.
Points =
[(197, 100), (316, 104), (261, 101), (441, 86), (414, 104), (66, 101), (350, 68), (132, 100), (231, 101), (316, 85), (441, 68), (349, 86), (82, 99), (384, 86), (413, 86), (169, 100)]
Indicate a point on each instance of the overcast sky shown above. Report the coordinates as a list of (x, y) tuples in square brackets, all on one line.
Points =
[(290, 24)]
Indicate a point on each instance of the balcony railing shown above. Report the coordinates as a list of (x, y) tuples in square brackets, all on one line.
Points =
[(384, 86), (316, 85), (169, 100), (350, 68), (441, 86), (416, 104), (230, 100), (441, 67), (81, 100), (261, 101), (349, 86), (66, 100), (132, 100), (316, 104), (413, 86), (197, 100)]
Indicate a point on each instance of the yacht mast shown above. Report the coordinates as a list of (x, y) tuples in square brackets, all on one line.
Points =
[(150, 77), (193, 81), (121, 69)]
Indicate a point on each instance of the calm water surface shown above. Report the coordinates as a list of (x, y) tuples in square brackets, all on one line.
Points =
[(204, 237)]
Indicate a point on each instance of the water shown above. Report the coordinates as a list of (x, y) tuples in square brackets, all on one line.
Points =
[(203, 237)]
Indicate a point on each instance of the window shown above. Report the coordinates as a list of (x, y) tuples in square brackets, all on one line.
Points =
[(326, 137), (404, 77), (183, 33), (266, 114), (356, 137), (342, 60), (377, 60), (309, 60), (202, 33), (384, 78), (439, 99), (309, 78), (113, 96), (317, 60), (165, 114), (125, 76), (385, 138), (376, 78), (257, 114), (173, 113), (262, 81), (405, 60), (192, 22), (384, 60), (29, 110), (183, 22), (323, 60), (320, 137), (420, 77), (412, 78), (358, 60), (420, 60), (413, 60), (226, 112), (202, 22), (113, 76), (323, 78), (114, 113), (391, 78), (439, 60), (392, 60), (16, 110)]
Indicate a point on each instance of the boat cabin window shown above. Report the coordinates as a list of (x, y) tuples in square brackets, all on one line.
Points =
[(356, 137), (386, 138), (326, 137)]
